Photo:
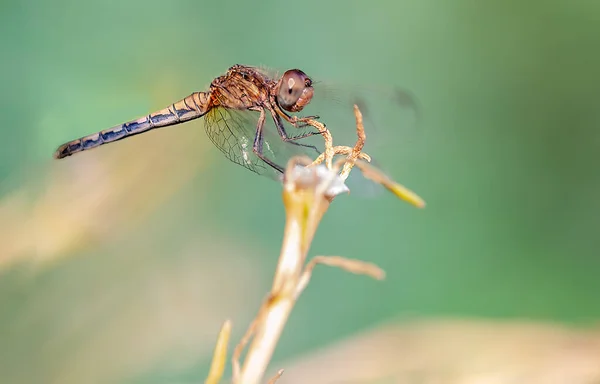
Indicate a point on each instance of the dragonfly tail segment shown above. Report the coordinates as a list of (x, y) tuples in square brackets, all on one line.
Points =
[(192, 107)]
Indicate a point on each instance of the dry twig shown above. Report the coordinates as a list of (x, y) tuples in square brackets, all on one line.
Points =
[(276, 377), (308, 189), (220, 355)]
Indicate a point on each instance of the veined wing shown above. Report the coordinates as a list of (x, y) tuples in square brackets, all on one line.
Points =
[(391, 113), (390, 118), (233, 132)]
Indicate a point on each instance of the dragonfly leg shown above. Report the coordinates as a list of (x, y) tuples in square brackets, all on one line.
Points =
[(292, 139), (257, 147), (297, 122)]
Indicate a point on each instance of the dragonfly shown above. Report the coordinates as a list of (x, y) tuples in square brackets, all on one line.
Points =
[(237, 109)]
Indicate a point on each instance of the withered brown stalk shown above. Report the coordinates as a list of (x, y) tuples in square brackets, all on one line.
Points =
[(309, 187)]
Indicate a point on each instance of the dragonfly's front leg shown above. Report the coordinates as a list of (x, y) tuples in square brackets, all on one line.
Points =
[(297, 122), (257, 146), (291, 139), (301, 122)]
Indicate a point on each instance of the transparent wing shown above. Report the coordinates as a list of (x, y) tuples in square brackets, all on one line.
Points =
[(233, 132), (391, 112), (391, 116)]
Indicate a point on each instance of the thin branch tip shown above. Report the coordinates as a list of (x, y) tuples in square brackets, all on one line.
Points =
[(276, 377), (217, 366)]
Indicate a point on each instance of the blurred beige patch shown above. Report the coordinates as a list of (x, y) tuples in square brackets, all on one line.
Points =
[(455, 351), (127, 319)]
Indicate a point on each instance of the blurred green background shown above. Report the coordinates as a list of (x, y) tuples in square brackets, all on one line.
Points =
[(121, 266)]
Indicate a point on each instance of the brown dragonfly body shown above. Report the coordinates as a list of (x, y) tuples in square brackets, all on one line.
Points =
[(241, 89)]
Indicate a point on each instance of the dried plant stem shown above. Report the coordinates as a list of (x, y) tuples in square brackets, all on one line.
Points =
[(342, 150), (398, 190), (265, 340), (276, 377), (353, 153), (308, 190), (305, 205), (358, 267), (360, 143), (220, 355)]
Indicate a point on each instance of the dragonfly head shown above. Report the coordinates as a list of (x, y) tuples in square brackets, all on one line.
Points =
[(295, 90)]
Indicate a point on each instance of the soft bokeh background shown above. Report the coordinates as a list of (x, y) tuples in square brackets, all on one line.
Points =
[(120, 264)]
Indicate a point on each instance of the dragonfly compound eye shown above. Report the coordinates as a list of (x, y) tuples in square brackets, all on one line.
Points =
[(295, 90)]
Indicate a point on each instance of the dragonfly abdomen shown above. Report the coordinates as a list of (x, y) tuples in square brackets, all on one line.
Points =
[(192, 107)]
